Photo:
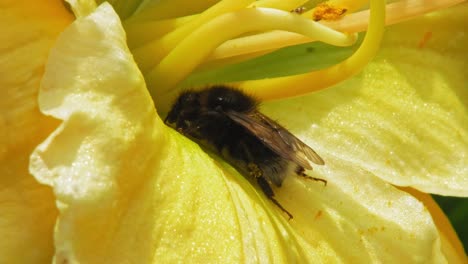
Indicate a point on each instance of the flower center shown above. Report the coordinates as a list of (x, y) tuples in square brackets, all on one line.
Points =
[(169, 42)]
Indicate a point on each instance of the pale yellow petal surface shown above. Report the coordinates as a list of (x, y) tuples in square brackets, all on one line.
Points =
[(451, 245), (27, 208), (357, 218), (404, 118), (131, 190)]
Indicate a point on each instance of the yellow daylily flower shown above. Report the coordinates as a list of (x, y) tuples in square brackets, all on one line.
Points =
[(129, 189)]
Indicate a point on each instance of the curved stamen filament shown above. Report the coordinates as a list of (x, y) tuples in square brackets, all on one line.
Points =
[(356, 22), (278, 4), (350, 5), (161, 47), (148, 21), (256, 43), (259, 43), (140, 33), (165, 9), (305, 83), (395, 12), (197, 46)]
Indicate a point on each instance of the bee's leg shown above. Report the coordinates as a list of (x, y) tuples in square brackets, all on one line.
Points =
[(300, 171), (270, 194)]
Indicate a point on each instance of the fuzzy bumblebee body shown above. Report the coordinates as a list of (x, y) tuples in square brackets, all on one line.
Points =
[(227, 120)]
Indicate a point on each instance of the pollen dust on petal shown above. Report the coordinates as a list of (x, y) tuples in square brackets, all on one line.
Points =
[(318, 214), (425, 38), (324, 11)]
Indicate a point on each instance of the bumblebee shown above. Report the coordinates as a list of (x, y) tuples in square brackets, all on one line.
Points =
[(228, 121)]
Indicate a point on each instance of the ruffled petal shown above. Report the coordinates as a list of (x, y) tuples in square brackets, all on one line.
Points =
[(27, 208), (129, 189), (404, 118)]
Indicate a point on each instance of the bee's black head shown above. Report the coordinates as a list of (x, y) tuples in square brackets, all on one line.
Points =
[(227, 99), (185, 106)]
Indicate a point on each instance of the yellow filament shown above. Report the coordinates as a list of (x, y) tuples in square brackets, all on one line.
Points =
[(197, 46), (305, 83), (143, 32), (259, 43), (151, 54), (165, 9), (396, 12), (143, 28), (350, 6), (351, 23), (278, 4), (212, 64), (256, 43)]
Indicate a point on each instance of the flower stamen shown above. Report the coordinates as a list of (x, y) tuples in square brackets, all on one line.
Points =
[(162, 46), (395, 12), (137, 33), (166, 9), (305, 83), (170, 71), (278, 4), (351, 23)]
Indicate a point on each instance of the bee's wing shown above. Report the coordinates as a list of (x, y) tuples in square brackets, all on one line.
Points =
[(277, 138)]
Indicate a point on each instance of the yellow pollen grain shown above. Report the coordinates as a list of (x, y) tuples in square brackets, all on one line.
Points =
[(324, 11)]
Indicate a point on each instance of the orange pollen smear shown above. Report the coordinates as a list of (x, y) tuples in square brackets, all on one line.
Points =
[(324, 11)]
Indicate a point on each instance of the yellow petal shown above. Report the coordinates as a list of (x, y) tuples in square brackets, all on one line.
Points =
[(28, 31), (131, 190), (360, 219), (404, 118), (451, 245), (27, 208)]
